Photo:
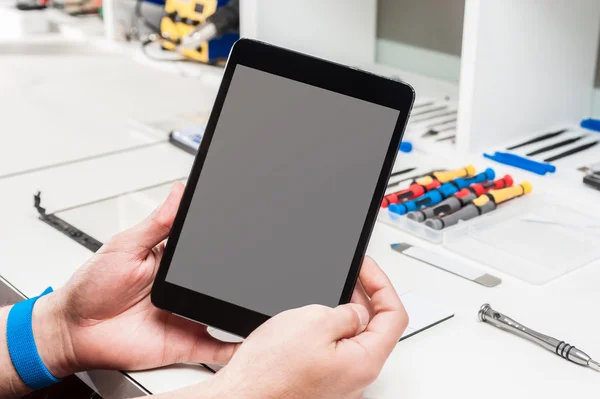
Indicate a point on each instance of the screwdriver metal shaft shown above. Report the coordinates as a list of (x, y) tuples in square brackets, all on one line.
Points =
[(561, 348)]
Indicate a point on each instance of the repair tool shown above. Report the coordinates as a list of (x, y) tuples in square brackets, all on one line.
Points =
[(561, 348), (446, 176), (517, 161), (460, 199), (413, 178), (556, 145), (483, 204), (572, 151), (591, 124), (401, 172), (537, 139), (453, 138), (430, 110), (429, 117), (203, 30), (413, 191), (435, 132), (438, 195), (447, 264)]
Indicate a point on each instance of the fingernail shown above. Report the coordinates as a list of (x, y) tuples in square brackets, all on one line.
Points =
[(363, 314)]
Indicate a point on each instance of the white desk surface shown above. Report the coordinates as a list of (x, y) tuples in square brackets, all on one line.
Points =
[(460, 357), (101, 93)]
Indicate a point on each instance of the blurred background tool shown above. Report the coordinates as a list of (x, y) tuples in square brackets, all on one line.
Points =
[(591, 124), (556, 145), (517, 161), (592, 179), (401, 172), (483, 204), (537, 139), (572, 151), (202, 30)]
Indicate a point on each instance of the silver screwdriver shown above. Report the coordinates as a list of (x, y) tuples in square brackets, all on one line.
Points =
[(561, 348)]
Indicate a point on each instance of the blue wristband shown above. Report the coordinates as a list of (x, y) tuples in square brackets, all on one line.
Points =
[(22, 348)]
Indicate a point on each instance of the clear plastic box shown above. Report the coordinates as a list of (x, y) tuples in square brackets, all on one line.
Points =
[(532, 238)]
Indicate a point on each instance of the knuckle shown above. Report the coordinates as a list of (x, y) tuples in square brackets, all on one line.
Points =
[(351, 318)]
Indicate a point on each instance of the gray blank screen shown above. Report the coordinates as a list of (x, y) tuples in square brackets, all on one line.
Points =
[(283, 194)]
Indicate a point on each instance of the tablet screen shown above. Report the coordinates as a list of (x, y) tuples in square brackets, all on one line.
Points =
[(283, 194)]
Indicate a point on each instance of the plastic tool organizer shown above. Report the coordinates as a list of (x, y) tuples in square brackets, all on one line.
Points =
[(533, 238)]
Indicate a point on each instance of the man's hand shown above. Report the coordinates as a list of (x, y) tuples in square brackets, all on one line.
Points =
[(316, 351), (103, 317)]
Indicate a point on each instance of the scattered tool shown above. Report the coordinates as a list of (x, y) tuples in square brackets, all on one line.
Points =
[(561, 348), (405, 146), (556, 145), (413, 178), (413, 191), (429, 117), (543, 137), (446, 176), (592, 179), (441, 123), (460, 199), (428, 111), (482, 205), (435, 132), (591, 124), (401, 172), (453, 138), (447, 264), (522, 163), (438, 195), (425, 104), (572, 151)]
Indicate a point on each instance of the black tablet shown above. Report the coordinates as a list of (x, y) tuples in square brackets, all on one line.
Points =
[(284, 191)]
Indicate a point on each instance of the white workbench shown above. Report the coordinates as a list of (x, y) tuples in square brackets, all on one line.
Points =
[(460, 357)]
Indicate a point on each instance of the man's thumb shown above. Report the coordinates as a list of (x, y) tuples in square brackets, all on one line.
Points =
[(349, 320), (156, 227)]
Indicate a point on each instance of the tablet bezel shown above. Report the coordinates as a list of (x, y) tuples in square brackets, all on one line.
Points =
[(315, 72)]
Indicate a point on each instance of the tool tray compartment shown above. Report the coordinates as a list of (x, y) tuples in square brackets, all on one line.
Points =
[(533, 238)]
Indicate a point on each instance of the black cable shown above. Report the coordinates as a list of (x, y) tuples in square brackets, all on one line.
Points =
[(147, 42)]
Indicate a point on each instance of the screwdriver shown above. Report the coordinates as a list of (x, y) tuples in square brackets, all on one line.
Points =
[(483, 204), (460, 199), (438, 195), (554, 146), (561, 348), (413, 191), (543, 137)]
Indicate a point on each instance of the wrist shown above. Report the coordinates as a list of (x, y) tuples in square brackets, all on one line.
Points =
[(52, 336), (225, 385)]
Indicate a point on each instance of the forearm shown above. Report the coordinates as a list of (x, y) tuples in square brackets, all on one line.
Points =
[(217, 387), (52, 342)]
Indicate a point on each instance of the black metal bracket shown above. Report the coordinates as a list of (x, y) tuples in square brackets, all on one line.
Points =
[(67, 229)]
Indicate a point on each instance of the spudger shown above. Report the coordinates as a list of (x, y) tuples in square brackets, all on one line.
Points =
[(556, 145), (572, 151), (401, 172), (538, 139)]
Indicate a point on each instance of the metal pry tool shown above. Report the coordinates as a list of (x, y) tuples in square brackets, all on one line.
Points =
[(561, 348)]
